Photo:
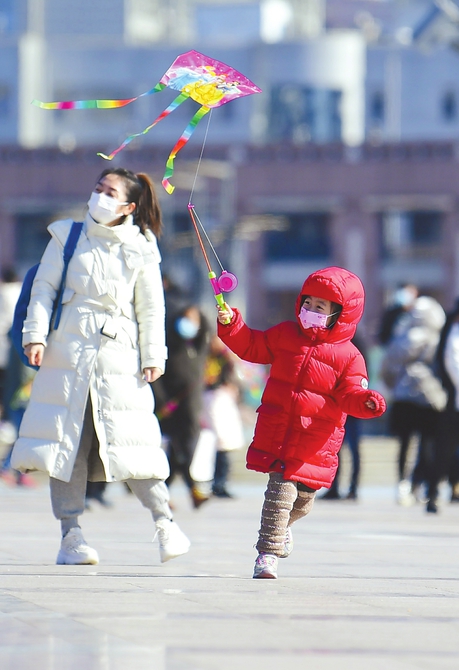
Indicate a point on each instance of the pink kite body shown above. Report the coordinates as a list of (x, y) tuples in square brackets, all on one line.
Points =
[(207, 81)]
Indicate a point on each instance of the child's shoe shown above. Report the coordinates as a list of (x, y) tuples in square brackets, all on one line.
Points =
[(75, 551), (172, 541), (288, 544), (265, 567)]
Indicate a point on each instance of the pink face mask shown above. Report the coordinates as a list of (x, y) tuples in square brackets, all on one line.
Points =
[(312, 319)]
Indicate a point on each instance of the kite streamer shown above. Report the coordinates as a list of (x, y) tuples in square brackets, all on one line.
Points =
[(207, 81)]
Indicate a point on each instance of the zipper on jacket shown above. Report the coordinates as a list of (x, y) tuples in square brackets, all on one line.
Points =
[(298, 388)]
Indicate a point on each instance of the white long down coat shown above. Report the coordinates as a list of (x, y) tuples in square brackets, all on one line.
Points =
[(112, 327)]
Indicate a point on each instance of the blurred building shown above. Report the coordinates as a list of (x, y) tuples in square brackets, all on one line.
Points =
[(348, 156), (390, 213)]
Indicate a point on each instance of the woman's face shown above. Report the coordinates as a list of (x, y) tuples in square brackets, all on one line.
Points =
[(114, 186)]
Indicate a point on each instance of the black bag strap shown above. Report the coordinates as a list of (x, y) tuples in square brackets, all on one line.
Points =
[(69, 249)]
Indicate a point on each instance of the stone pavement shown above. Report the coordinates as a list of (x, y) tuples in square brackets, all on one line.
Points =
[(369, 585)]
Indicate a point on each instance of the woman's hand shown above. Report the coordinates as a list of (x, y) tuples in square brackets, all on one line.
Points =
[(152, 374), (224, 314), (370, 404), (34, 353)]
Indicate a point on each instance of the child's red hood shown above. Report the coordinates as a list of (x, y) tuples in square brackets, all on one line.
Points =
[(340, 286)]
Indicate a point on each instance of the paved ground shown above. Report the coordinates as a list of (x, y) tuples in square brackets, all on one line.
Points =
[(370, 585)]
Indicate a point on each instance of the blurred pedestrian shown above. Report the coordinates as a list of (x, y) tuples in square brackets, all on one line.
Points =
[(179, 392), (221, 412), (10, 288), (446, 452), (317, 377), (418, 397), (90, 414), (394, 316), (18, 386), (352, 436)]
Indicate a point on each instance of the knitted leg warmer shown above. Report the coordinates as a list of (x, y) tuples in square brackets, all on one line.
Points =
[(302, 506), (280, 496)]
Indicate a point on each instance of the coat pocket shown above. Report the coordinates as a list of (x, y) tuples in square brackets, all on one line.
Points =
[(270, 428)]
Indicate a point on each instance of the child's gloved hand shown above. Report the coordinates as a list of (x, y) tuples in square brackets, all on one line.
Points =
[(224, 314), (376, 403)]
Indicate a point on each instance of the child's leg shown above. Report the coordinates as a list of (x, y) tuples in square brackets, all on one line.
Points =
[(303, 504), (280, 496)]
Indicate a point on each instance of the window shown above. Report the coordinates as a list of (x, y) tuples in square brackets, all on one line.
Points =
[(300, 114), (5, 98), (449, 106), (32, 237), (410, 234), (376, 107), (307, 237)]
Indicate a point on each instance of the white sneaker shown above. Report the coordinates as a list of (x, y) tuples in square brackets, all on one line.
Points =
[(75, 551), (265, 567), (172, 541), (404, 495)]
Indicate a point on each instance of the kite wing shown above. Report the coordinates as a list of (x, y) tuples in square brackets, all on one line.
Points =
[(207, 81)]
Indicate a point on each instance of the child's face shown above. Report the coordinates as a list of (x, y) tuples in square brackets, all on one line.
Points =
[(320, 306)]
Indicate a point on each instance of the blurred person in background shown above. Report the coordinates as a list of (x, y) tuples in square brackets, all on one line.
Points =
[(90, 414), (446, 454), (10, 288), (394, 316), (221, 412), (18, 386), (352, 437), (179, 394), (418, 397)]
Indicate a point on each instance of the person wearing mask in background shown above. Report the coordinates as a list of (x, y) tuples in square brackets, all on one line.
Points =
[(90, 414), (179, 392), (394, 316)]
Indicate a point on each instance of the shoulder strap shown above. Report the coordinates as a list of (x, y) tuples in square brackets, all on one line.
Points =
[(69, 248)]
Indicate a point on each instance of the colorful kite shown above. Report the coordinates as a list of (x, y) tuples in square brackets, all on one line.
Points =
[(209, 82)]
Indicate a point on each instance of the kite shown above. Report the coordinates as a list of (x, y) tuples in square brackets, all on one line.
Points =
[(207, 81)]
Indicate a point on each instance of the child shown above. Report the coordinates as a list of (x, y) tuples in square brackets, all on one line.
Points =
[(317, 377)]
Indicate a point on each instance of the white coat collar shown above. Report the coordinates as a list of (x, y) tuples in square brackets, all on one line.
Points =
[(125, 232)]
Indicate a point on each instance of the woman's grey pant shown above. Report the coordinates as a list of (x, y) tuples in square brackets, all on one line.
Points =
[(68, 498), (285, 502)]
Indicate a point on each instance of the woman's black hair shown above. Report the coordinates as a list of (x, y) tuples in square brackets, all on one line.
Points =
[(141, 191)]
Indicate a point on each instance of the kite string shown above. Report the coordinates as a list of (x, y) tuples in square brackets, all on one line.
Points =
[(200, 158), (196, 217), (208, 240)]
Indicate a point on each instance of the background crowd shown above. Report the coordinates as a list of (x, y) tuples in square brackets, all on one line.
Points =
[(200, 397)]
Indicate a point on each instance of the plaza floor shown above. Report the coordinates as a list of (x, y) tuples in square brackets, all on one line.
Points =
[(369, 585)]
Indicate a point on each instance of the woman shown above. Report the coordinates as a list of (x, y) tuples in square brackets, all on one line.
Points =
[(90, 414)]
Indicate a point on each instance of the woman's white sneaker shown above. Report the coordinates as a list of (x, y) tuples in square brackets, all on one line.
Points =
[(172, 541), (75, 551)]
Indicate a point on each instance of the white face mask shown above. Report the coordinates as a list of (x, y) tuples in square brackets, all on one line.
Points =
[(102, 207)]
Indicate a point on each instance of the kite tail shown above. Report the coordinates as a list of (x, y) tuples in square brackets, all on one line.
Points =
[(174, 104), (187, 133), (95, 104)]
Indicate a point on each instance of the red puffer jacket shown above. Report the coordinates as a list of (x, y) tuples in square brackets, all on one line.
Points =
[(317, 377)]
